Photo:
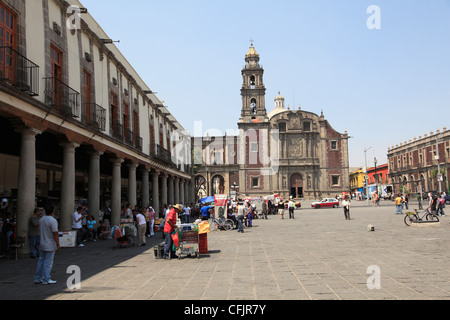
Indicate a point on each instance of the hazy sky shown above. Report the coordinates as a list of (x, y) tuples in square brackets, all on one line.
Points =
[(383, 86)]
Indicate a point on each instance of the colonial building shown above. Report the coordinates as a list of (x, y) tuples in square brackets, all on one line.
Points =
[(77, 122), (414, 165), (288, 152)]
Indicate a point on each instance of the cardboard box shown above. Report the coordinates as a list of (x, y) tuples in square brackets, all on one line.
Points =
[(68, 239)]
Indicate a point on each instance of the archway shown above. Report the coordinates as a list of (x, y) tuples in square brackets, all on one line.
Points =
[(296, 186), (200, 187)]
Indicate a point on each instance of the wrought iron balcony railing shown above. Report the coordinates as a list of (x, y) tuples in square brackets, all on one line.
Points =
[(18, 71), (93, 115), (64, 98), (117, 130)]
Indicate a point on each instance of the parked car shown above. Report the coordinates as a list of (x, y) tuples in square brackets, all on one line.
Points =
[(447, 200), (326, 203)]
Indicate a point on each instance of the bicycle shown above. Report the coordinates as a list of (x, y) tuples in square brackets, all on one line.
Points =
[(222, 223), (414, 217)]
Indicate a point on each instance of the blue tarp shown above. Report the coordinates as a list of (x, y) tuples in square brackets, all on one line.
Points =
[(207, 199)]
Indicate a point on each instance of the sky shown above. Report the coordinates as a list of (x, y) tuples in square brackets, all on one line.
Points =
[(384, 85)]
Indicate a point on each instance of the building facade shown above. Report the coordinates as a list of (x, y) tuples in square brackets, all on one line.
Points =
[(421, 164), (288, 152), (77, 122)]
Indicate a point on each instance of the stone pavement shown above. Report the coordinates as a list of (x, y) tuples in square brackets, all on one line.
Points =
[(317, 256)]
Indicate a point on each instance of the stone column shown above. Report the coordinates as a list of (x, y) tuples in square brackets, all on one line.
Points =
[(164, 199), (171, 198), (186, 192), (155, 196), (26, 187), (145, 187), (176, 198), (132, 184), (68, 186), (94, 184), (116, 196), (182, 197)]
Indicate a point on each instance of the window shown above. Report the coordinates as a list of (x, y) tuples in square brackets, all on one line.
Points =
[(306, 126), (7, 39), (253, 105), (282, 127), (333, 145), (335, 181), (254, 147), (255, 182), (86, 92), (56, 61)]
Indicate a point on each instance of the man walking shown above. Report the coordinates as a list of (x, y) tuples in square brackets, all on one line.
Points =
[(77, 217), (291, 209), (141, 227), (49, 239)]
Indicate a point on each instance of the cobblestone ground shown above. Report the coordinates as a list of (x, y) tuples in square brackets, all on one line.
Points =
[(317, 256)]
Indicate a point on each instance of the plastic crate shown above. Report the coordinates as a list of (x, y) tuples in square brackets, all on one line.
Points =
[(203, 243)]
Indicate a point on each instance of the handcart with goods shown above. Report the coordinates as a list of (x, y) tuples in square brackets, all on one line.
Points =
[(125, 235), (188, 241)]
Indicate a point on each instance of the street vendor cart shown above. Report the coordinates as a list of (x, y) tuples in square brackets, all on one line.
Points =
[(188, 241), (125, 234)]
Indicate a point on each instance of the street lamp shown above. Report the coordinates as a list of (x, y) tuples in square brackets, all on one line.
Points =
[(367, 176)]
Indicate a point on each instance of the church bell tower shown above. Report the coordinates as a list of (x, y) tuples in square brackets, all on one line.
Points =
[(253, 91)]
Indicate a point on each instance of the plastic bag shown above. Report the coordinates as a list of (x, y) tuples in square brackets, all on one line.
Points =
[(176, 236), (203, 227)]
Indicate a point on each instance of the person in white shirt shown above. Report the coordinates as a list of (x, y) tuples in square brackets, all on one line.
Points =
[(187, 212), (142, 227), (77, 218), (346, 205), (291, 208)]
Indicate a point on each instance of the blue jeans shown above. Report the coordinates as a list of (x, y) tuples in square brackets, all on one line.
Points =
[(240, 223), (167, 244), (44, 266), (34, 245), (398, 209)]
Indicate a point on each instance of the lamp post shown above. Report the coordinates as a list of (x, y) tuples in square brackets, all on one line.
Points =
[(367, 176)]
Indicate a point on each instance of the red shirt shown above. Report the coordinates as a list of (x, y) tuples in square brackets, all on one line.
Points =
[(172, 216)]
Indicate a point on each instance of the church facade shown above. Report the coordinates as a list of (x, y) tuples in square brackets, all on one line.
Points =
[(294, 153)]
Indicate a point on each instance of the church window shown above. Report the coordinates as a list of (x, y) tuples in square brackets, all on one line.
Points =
[(335, 181), (282, 127), (334, 145), (252, 82), (306, 126)]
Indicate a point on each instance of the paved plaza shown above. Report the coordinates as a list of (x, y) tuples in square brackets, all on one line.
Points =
[(317, 256)]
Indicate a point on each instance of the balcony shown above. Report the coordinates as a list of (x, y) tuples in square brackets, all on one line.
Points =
[(62, 97), (163, 155), (18, 71), (117, 130), (94, 116)]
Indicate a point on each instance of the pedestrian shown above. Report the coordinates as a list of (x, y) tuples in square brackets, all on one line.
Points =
[(34, 233), (151, 213), (49, 245), (440, 204), (77, 217), (346, 206), (291, 208), (169, 228), (141, 226), (146, 213), (240, 217), (281, 209), (398, 204), (406, 201), (128, 212), (187, 212)]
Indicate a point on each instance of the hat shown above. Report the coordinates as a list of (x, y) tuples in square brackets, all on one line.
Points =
[(178, 207)]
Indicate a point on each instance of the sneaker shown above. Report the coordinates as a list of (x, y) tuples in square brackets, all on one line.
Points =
[(49, 282), (37, 281), (81, 245)]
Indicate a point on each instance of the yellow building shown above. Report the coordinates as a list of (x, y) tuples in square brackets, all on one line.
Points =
[(357, 181)]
